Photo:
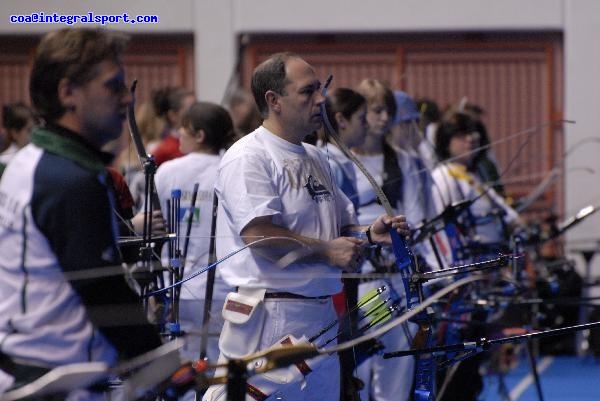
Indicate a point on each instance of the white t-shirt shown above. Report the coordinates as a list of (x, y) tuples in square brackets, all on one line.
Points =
[(182, 173), (8, 153), (265, 175)]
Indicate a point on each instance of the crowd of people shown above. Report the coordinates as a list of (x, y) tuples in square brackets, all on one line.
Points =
[(310, 221)]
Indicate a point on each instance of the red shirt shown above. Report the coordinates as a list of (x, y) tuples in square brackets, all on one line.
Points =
[(167, 149)]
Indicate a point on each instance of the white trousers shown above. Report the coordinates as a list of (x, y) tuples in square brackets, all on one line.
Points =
[(297, 317)]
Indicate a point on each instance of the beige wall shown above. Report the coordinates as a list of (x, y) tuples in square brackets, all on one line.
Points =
[(216, 23)]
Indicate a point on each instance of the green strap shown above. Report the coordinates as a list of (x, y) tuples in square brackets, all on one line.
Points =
[(68, 148)]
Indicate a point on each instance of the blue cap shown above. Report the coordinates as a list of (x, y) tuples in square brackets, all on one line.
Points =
[(406, 108)]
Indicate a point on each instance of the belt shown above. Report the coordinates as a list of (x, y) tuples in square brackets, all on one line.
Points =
[(284, 295), (363, 280), (289, 295)]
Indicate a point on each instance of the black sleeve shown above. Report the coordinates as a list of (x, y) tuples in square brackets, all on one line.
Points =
[(72, 207)]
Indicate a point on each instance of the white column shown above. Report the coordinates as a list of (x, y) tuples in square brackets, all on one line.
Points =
[(214, 47), (582, 104)]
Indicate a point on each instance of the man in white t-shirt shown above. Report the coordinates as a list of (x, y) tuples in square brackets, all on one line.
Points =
[(276, 190)]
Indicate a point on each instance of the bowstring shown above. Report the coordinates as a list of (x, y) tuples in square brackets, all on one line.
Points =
[(220, 260)]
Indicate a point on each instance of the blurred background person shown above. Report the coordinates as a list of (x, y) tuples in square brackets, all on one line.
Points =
[(483, 163), (346, 110), (170, 104), (404, 131), (385, 379), (485, 227), (206, 131), (18, 122), (405, 134), (428, 124), (244, 113), (489, 218)]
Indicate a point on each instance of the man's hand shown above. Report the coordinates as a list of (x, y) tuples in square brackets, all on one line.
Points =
[(159, 226), (380, 229), (345, 253)]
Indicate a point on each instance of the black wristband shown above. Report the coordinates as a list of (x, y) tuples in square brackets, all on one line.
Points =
[(368, 233)]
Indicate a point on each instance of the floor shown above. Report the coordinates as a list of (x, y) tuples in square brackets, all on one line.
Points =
[(562, 378)]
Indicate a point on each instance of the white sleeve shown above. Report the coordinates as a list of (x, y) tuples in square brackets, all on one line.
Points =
[(246, 190), (349, 216), (442, 190), (511, 214)]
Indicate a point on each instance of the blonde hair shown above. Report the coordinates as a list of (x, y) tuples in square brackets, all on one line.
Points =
[(374, 91), (149, 123)]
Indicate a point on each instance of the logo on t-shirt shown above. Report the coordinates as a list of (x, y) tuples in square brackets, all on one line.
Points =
[(317, 191)]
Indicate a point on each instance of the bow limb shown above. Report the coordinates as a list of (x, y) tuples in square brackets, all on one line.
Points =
[(404, 258), (151, 200), (133, 127)]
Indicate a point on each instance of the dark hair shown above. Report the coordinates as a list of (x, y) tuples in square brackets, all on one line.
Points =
[(72, 54), (270, 75), (214, 120), (484, 140), (345, 101), (430, 112), (15, 116), (455, 124), (474, 109), (169, 98)]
